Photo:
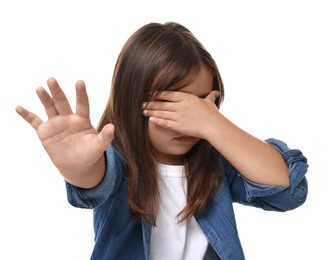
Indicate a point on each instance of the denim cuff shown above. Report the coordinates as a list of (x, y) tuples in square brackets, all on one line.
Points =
[(297, 164), (91, 198)]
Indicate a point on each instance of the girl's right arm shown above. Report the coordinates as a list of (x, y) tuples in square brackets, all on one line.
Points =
[(73, 144)]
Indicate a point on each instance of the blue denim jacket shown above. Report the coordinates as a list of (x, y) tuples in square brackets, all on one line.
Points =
[(118, 237)]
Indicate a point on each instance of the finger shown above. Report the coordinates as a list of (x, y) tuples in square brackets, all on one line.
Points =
[(159, 105), (47, 102), (162, 122), (159, 114), (31, 118), (82, 101), (212, 96), (106, 135), (59, 98)]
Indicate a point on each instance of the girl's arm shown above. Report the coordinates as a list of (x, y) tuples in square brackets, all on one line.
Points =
[(193, 116), (274, 198), (73, 144), (256, 160)]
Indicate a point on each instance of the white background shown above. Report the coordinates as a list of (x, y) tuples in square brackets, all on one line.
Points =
[(275, 58)]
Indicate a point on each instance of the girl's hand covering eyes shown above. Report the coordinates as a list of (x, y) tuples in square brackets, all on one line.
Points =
[(183, 112)]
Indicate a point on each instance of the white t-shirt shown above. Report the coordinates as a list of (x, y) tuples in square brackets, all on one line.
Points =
[(170, 239)]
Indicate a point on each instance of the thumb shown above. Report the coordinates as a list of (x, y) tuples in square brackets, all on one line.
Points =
[(212, 96), (107, 134)]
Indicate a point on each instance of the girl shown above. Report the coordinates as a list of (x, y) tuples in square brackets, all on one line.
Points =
[(164, 166)]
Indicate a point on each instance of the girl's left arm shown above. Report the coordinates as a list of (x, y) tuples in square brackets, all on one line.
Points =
[(265, 174), (190, 115), (255, 159), (276, 198)]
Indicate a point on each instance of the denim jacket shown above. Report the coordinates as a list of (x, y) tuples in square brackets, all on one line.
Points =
[(117, 236)]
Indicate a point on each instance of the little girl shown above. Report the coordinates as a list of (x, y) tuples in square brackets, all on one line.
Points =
[(164, 166)]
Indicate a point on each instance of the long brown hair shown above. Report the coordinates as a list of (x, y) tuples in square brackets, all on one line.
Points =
[(156, 57)]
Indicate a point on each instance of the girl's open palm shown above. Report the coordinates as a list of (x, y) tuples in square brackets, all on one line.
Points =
[(69, 138)]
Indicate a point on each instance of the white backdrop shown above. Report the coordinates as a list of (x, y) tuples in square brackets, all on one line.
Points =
[(276, 61)]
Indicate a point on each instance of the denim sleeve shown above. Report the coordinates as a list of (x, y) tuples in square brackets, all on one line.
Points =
[(276, 198), (91, 198)]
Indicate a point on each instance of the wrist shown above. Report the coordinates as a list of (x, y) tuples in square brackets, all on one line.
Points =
[(215, 128), (87, 177)]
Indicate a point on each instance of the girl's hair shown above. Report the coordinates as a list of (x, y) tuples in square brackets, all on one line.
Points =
[(155, 58)]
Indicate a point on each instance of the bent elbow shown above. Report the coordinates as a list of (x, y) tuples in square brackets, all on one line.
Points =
[(285, 200), (293, 198), (285, 182)]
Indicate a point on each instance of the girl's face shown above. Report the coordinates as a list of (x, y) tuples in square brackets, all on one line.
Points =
[(168, 145)]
